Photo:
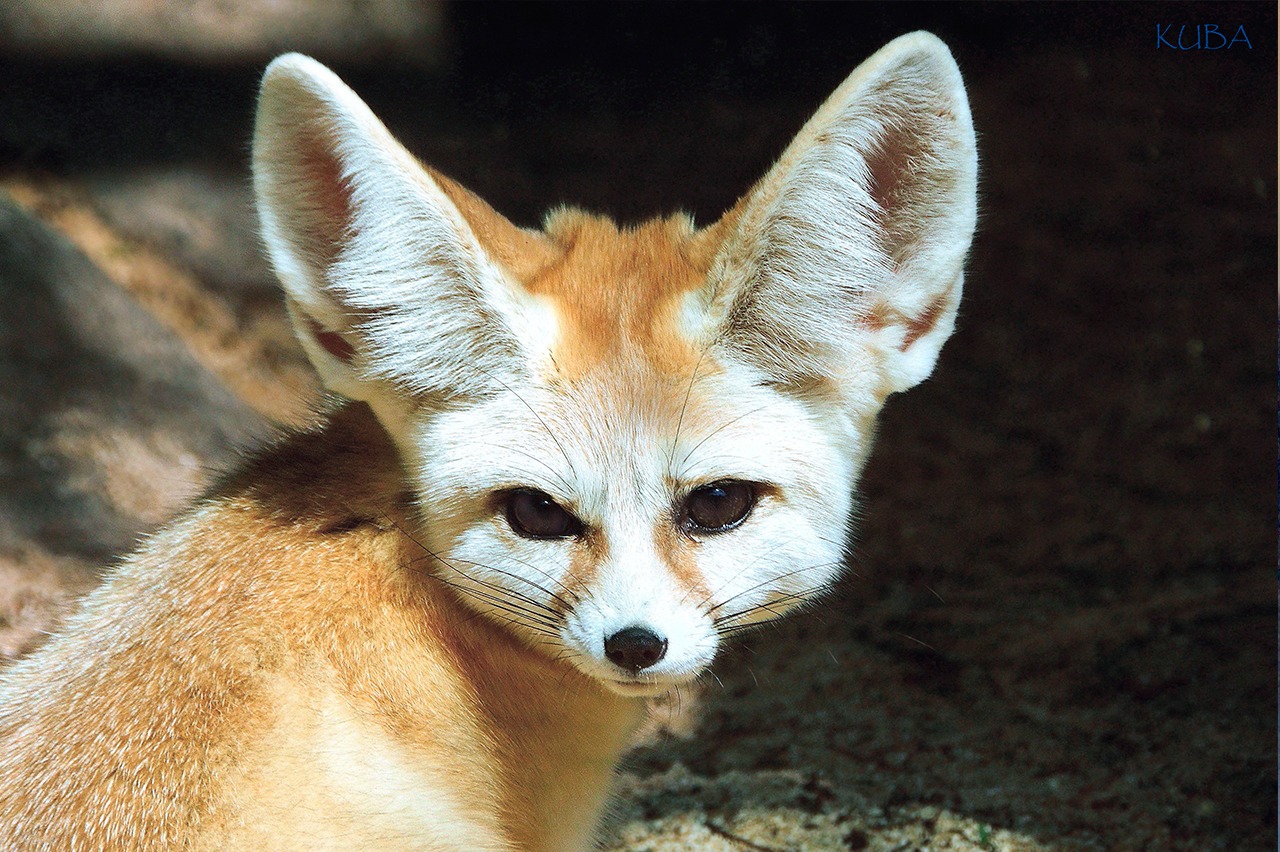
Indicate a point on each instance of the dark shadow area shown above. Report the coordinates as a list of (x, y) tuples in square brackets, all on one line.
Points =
[(80, 365)]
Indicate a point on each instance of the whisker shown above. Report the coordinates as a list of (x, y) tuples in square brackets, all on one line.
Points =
[(759, 558), (524, 616), (538, 417), (431, 554), (767, 581), (512, 595), (516, 622), (782, 598), (573, 596), (725, 622), (559, 477), (496, 612), (693, 377), (713, 432), (526, 580), (509, 599), (498, 597), (569, 656)]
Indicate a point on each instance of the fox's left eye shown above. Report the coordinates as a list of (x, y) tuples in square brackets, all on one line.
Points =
[(719, 506), (534, 514)]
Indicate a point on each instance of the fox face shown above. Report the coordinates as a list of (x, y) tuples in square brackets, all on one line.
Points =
[(634, 514), (626, 444)]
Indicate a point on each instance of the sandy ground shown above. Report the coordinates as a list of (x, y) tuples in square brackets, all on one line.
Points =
[(1058, 629)]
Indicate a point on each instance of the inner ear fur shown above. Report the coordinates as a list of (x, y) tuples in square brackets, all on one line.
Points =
[(392, 271), (853, 245)]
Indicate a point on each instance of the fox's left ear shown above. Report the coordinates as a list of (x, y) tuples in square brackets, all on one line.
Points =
[(399, 281), (849, 254)]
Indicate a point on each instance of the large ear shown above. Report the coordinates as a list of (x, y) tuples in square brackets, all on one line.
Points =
[(395, 276), (851, 249)]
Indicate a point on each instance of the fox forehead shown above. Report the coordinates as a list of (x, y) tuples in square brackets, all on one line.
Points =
[(617, 293)]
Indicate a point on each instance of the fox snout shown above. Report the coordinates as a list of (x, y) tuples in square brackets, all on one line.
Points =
[(642, 639)]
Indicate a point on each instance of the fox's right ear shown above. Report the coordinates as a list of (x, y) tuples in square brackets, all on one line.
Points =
[(842, 268), (394, 275)]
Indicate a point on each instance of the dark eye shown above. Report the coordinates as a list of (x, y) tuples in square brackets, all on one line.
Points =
[(533, 514), (719, 506)]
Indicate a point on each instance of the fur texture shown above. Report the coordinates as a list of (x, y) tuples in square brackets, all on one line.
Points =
[(352, 638)]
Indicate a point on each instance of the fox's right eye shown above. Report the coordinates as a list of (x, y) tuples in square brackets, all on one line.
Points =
[(534, 514), (719, 507)]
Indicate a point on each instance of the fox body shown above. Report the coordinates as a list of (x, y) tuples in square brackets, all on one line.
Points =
[(570, 462)]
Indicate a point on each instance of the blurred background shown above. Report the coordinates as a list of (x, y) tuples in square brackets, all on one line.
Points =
[(1058, 630)]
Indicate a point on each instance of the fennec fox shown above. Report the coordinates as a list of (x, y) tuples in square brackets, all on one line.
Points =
[(571, 462)]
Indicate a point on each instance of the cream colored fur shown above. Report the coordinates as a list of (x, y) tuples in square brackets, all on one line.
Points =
[(350, 643)]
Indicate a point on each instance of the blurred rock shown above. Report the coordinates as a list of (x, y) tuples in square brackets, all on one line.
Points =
[(200, 218), (181, 242), (110, 425), (224, 30)]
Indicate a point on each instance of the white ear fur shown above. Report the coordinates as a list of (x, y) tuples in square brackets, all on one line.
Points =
[(386, 282), (856, 238)]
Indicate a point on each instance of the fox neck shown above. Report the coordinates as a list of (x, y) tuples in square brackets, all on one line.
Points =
[(563, 735), (527, 733)]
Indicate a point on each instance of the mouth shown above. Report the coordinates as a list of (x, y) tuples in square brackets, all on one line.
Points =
[(637, 689), (642, 687)]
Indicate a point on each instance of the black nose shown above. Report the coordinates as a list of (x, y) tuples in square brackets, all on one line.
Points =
[(634, 648)]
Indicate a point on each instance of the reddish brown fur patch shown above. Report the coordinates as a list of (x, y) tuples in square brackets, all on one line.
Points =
[(882, 316), (583, 565), (613, 288), (923, 324), (332, 342), (679, 553)]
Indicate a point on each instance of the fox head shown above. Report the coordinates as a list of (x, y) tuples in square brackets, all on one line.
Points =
[(628, 443)]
